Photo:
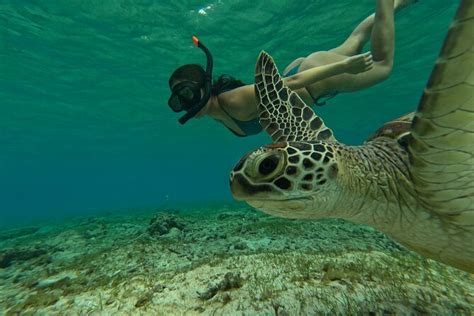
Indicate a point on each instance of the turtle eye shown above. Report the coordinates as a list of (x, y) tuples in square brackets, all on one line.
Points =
[(268, 165)]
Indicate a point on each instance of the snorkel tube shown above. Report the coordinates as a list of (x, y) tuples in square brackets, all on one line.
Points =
[(207, 85)]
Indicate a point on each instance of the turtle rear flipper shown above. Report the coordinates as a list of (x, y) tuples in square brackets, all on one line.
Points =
[(441, 148)]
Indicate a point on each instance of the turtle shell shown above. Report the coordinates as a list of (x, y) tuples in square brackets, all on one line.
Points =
[(398, 129)]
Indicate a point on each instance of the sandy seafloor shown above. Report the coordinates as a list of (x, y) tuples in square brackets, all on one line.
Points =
[(219, 260)]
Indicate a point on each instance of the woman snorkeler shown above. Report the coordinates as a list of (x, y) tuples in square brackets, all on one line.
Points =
[(315, 78)]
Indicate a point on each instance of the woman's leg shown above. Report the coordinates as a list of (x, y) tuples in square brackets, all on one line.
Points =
[(382, 48), (379, 28), (293, 64), (362, 33), (359, 37)]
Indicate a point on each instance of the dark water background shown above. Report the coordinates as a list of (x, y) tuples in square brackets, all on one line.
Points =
[(84, 125)]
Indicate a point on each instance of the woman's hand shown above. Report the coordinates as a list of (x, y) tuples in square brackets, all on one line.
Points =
[(358, 63), (353, 65)]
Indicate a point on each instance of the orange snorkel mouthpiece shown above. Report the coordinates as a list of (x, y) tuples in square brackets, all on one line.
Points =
[(195, 41)]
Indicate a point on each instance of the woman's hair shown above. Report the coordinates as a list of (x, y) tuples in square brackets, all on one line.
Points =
[(225, 83), (196, 73), (192, 72)]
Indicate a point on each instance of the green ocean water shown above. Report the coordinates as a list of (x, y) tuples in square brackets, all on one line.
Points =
[(84, 124)]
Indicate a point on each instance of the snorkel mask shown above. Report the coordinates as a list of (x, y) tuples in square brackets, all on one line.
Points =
[(186, 95)]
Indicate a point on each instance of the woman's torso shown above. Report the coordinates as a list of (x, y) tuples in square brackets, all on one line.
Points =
[(329, 85), (235, 116)]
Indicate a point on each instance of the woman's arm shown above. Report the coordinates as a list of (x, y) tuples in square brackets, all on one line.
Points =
[(241, 102), (353, 65)]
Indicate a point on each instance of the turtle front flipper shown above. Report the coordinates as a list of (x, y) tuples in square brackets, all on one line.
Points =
[(441, 149), (283, 114)]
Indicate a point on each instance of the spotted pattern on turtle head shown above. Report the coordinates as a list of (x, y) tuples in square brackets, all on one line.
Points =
[(285, 169)]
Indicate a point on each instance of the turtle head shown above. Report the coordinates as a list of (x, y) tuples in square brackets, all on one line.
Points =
[(287, 175)]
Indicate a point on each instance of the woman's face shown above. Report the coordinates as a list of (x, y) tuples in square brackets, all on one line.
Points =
[(205, 110), (187, 95)]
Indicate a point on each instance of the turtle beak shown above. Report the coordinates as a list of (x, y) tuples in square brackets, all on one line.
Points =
[(243, 190), (236, 187), (236, 181)]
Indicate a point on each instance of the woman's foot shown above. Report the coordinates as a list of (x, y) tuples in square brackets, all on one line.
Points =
[(400, 4)]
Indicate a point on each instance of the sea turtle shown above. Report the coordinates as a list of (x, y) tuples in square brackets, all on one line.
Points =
[(413, 180)]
